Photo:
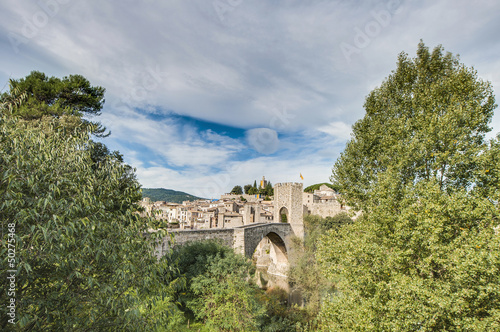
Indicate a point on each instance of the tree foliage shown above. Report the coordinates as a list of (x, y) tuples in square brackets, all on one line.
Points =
[(253, 191), (305, 272), (424, 255), (82, 261), (426, 121), (192, 259), (247, 188), (44, 96), (225, 300), (217, 289), (312, 188), (424, 263), (281, 317), (268, 190), (237, 190)]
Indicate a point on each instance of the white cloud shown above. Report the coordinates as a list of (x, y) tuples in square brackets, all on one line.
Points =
[(180, 144), (212, 185), (263, 140), (338, 129), (238, 71), (270, 69)]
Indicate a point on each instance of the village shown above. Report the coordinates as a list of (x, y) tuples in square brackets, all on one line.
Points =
[(237, 210)]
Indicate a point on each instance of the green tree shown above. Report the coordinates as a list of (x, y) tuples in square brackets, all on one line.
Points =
[(44, 96), (217, 291), (423, 256), (225, 301), (304, 271), (237, 190), (261, 191), (82, 261), (282, 317), (314, 187), (48, 101), (253, 191), (269, 190), (427, 120), (247, 188), (192, 260), (336, 221), (427, 262)]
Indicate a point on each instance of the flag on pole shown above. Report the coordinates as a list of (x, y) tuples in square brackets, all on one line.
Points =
[(301, 176)]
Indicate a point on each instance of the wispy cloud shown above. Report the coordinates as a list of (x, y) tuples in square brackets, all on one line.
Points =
[(270, 85), (178, 143)]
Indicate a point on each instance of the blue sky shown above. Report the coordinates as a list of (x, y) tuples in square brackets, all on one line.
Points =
[(205, 95)]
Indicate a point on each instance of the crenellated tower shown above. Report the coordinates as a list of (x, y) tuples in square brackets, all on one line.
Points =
[(288, 206)]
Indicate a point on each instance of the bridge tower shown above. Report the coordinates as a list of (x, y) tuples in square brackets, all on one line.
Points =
[(288, 206)]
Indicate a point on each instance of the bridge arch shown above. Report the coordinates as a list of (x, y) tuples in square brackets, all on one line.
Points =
[(248, 237), (271, 261), (277, 246)]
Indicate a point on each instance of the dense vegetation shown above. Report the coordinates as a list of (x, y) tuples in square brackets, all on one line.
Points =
[(167, 195), (217, 290), (305, 272), (267, 191), (81, 260), (314, 187), (71, 99), (424, 256)]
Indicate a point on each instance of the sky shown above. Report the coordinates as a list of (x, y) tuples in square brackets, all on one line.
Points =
[(204, 95)]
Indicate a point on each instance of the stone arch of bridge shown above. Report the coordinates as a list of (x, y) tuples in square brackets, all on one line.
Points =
[(280, 252), (279, 246), (271, 260)]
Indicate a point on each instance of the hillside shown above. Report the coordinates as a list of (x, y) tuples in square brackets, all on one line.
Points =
[(314, 187), (168, 195)]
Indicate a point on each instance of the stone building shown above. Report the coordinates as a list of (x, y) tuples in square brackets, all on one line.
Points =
[(229, 219), (324, 202), (263, 182), (290, 204)]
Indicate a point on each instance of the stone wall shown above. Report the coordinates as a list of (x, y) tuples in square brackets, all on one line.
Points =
[(242, 239), (232, 220), (249, 198), (325, 209), (181, 237)]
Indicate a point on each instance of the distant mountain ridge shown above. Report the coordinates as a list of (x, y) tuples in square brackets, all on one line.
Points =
[(168, 195)]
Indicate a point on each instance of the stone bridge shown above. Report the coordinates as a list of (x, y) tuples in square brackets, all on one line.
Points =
[(248, 239), (243, 239)]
